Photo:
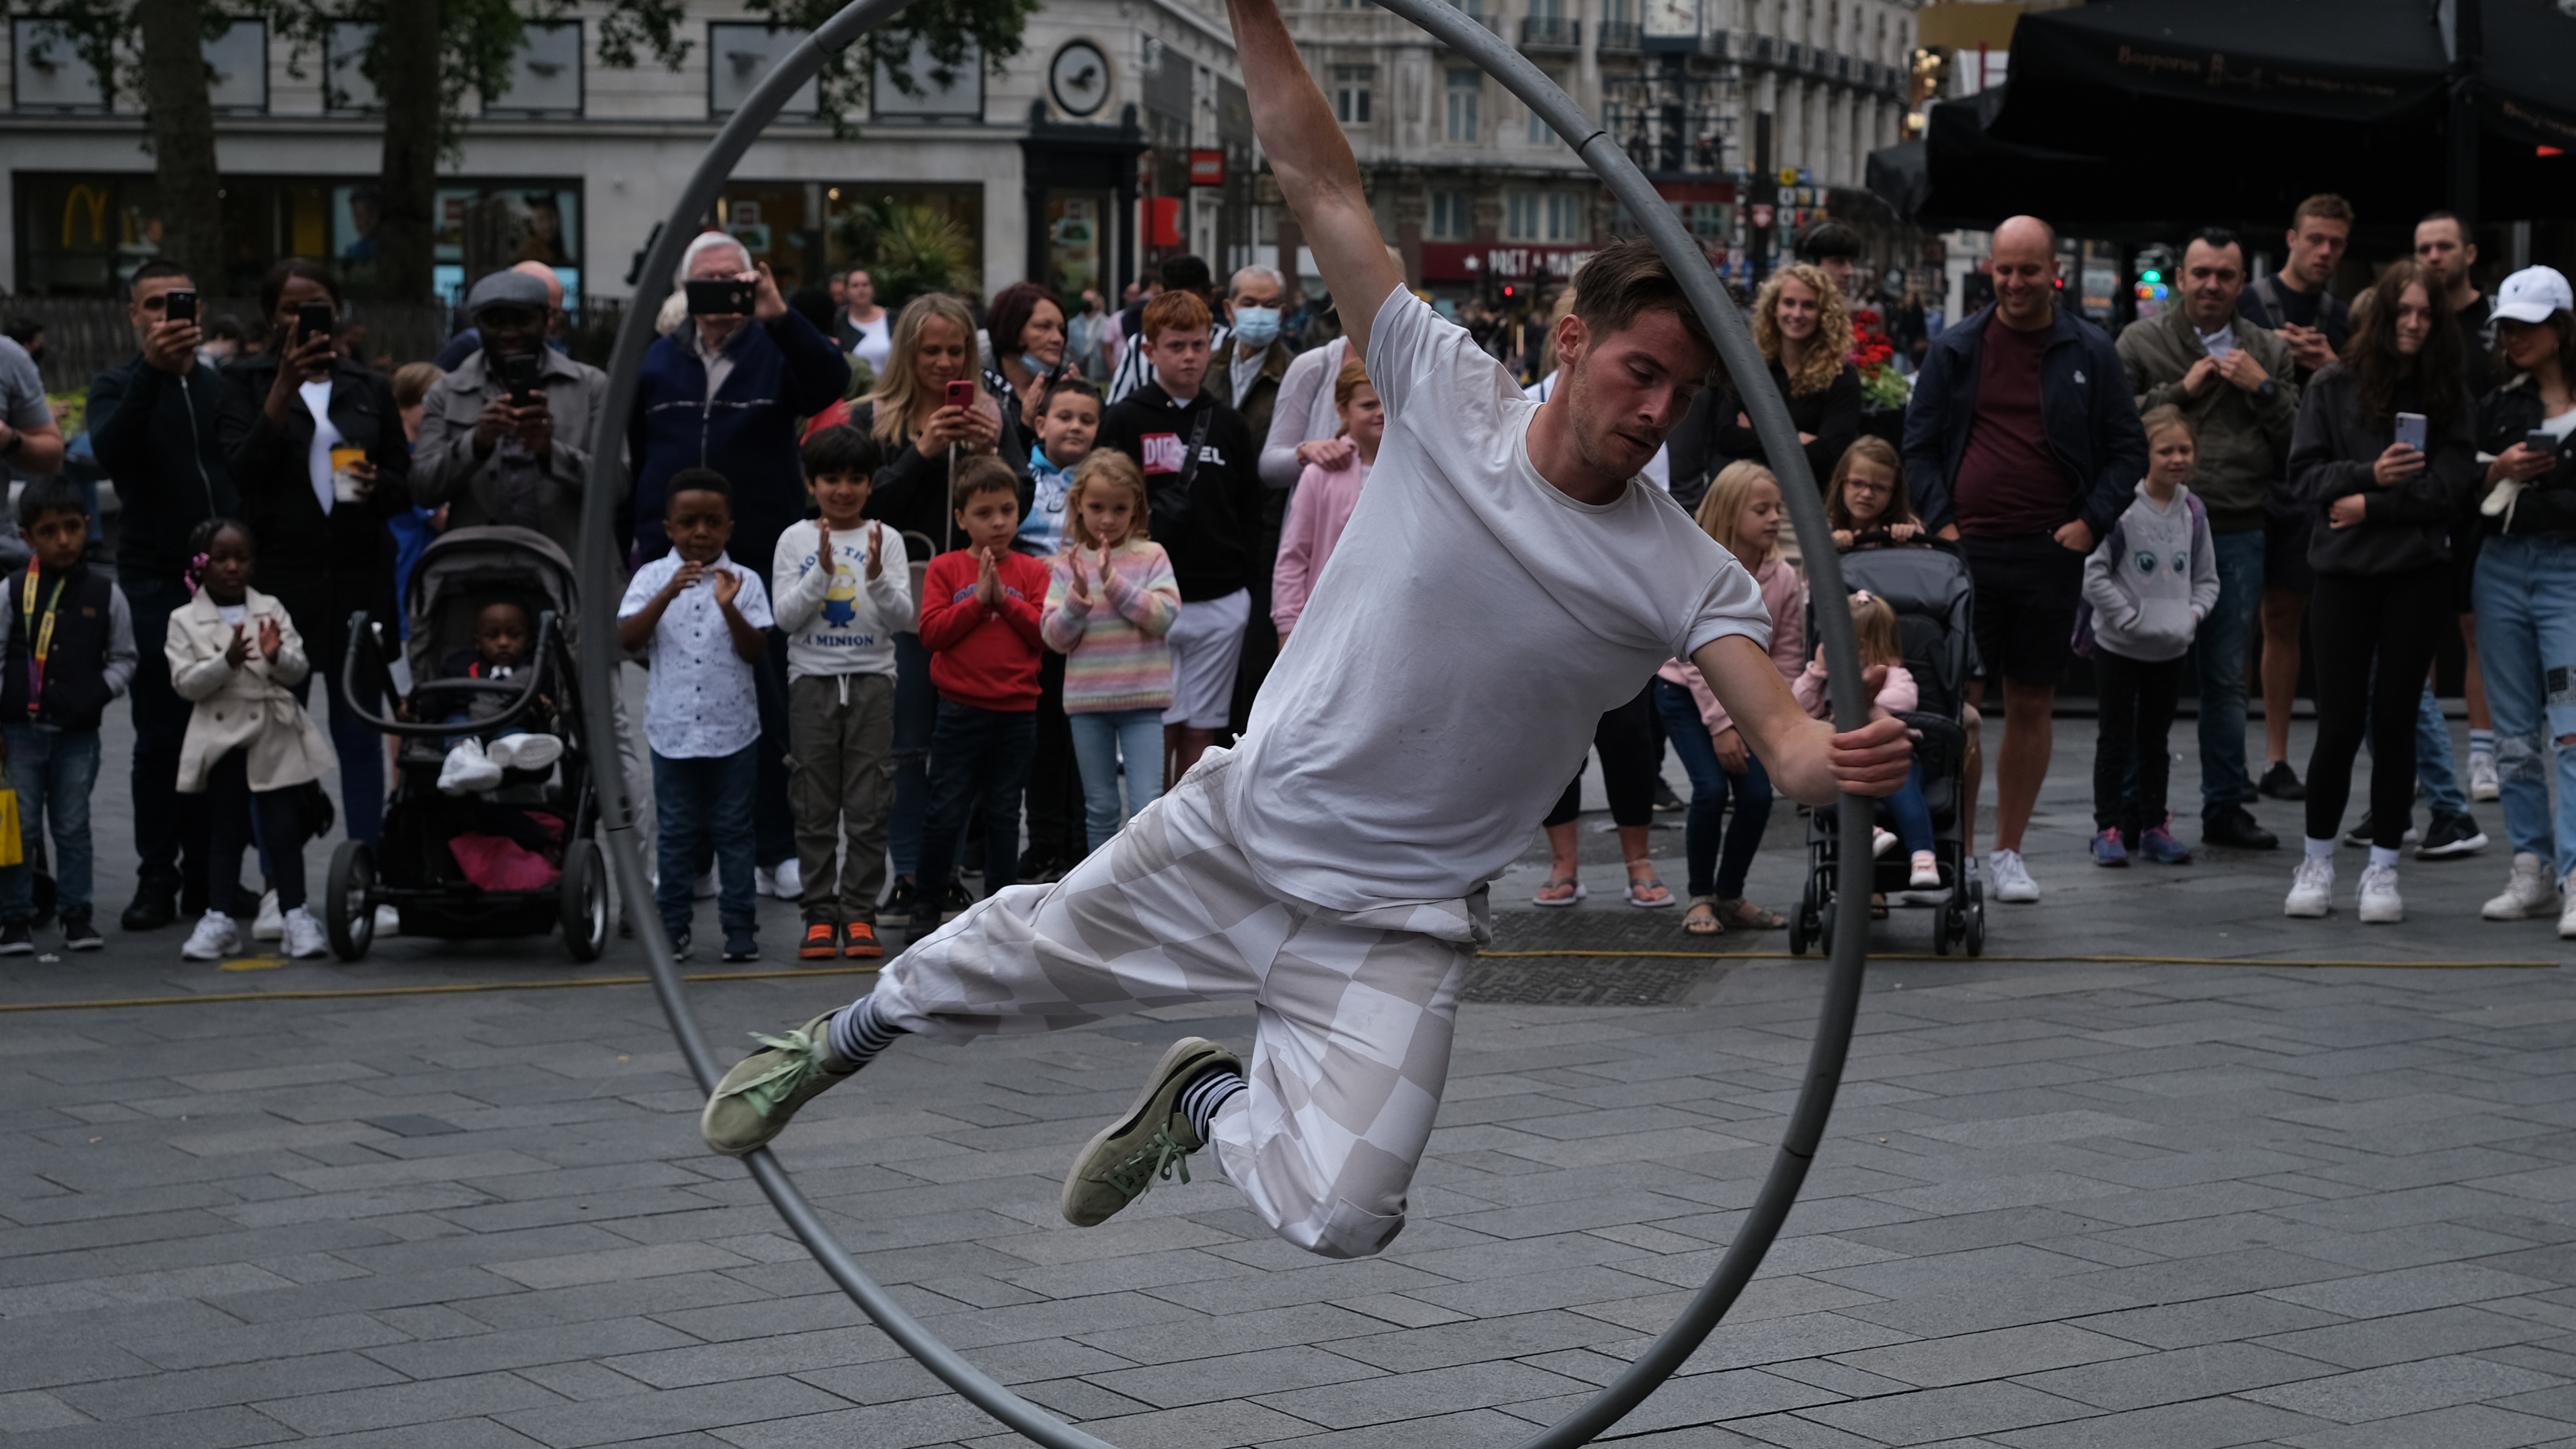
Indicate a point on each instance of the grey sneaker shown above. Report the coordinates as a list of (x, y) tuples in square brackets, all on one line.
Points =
[(1153, 1140), (757, 1098)]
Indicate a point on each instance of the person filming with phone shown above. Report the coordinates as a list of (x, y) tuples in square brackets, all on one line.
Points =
[(2384, 451), (725, 390), (315, 443), (2525, 588), (153, 422), (505, 435)]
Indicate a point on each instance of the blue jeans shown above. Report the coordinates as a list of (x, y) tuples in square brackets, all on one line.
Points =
[(1713, 872), (916, 718), (52, 771), (1911, 812), (976, 750), (2222, 640), (704, 805), (2526, 599), (1098, 742)]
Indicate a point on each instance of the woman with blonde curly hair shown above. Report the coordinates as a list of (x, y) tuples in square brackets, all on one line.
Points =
[(1803, 326)]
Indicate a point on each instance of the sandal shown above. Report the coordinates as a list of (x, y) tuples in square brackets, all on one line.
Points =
[(1637, 888), (1742, 915), (1701, 919), (1542, 898)]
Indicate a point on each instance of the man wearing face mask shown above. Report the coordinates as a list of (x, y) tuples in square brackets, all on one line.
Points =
[(1255, 364)]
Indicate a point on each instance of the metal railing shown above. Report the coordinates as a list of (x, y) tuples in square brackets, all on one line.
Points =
[(1553, 31), (1618, 35)]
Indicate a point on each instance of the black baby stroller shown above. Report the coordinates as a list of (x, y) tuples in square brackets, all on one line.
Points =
[(414, 870), (1934, 602)]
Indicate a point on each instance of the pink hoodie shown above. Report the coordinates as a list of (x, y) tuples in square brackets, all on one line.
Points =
[(1896, 696), (1785, 595)]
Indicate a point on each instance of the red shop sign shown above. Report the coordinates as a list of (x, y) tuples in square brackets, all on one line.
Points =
[(1207, 168)]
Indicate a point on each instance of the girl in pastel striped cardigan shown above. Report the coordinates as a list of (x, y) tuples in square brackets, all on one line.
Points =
[(1110, 600)]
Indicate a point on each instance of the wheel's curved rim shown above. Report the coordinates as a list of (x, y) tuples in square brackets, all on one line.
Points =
[(1846, 938)]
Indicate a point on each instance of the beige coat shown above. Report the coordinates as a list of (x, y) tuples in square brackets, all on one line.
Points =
[(241, 707)]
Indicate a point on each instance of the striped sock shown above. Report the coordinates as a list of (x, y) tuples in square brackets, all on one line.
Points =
[(2482, 742), (858, 1032), (1201, 1099)]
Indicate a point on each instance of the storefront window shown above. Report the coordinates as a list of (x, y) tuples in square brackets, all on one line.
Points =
[(1077, 240)]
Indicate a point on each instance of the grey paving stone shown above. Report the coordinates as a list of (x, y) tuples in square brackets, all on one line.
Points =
[(2407, 1388)]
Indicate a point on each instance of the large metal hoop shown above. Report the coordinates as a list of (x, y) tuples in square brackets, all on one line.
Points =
[(1770, 416)]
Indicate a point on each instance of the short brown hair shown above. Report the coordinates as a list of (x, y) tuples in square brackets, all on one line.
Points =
[(1624, 281), (1175, 310), (1105, 468), (412, 382), (2325, 206), (983, 474)]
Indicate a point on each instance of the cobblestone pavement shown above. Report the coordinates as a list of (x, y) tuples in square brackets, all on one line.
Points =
[(2063, 1203)]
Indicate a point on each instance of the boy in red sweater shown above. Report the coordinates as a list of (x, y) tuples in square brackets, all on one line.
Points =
[(979, 620)]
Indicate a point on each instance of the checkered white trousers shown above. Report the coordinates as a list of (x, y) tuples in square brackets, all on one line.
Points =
[(1355, 1009)]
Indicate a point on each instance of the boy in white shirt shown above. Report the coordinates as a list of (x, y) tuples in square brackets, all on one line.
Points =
[(703, 616), (841, 586)]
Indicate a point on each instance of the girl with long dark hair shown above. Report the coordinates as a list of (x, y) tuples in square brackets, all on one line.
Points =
[(2383, 564)]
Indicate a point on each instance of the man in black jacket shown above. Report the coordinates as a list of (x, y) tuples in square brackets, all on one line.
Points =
[(1200, 464), (2023, 444), (153, 423)]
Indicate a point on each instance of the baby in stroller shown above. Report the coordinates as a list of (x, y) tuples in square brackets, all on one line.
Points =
[(504, 636)]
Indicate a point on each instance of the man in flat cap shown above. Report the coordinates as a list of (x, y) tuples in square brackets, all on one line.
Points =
[(498, 450)]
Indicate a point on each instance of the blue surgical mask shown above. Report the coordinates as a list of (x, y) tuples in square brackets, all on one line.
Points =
[(1032, 366), (1256, 326)]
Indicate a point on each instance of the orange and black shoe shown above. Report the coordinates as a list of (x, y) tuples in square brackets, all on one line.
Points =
[(860, 939), (822, 942)]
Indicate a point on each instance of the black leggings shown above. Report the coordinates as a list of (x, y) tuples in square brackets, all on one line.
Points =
[(2395, 621), (2137, 712), (231, 800), (1626, 739)]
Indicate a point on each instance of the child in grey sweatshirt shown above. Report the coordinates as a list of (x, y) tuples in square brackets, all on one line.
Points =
[(2146, 589)]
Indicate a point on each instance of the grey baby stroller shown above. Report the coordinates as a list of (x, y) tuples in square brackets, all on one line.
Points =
[(1930, 591), (416, 868)]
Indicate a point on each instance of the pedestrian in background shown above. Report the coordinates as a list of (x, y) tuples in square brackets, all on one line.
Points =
[(2382, 557), (1110, 601), (2148, 588), (2526, 588), (2232, 384)]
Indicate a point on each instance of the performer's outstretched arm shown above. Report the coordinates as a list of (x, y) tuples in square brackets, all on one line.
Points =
[(1807, 760), (1317, 173)]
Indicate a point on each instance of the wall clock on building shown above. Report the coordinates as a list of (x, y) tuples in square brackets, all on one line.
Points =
[(1079, 78), (1672, 20)]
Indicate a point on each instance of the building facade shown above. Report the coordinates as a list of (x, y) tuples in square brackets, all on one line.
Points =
[(1118, 133), (1704, 95)]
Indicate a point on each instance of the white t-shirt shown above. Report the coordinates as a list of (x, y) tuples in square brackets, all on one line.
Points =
[(876, 341), (317, 464), (1460, 648)]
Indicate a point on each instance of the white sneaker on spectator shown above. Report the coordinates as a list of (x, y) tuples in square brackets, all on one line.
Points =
[(468, 769), (525, 752), (2567, 912), (1927, 871), (788, 881), (388, 921), (2381, 905), (215, 938), (2482, 777), (268, 925), (2528, 892), (1881, 841), (2012, 878), (704, 888), (2311, 889), (304, 938)]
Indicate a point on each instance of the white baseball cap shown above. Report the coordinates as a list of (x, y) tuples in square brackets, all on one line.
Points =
[(2532, 294)]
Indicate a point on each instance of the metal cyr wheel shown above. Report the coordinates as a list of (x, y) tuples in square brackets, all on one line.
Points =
[(1463, 35)]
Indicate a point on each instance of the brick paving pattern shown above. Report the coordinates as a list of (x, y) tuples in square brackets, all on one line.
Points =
[(2062, 1204)]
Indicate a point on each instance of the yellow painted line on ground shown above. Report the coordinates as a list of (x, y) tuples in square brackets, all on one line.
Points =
[(352, 992), (1821, 959), (253, 963)]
